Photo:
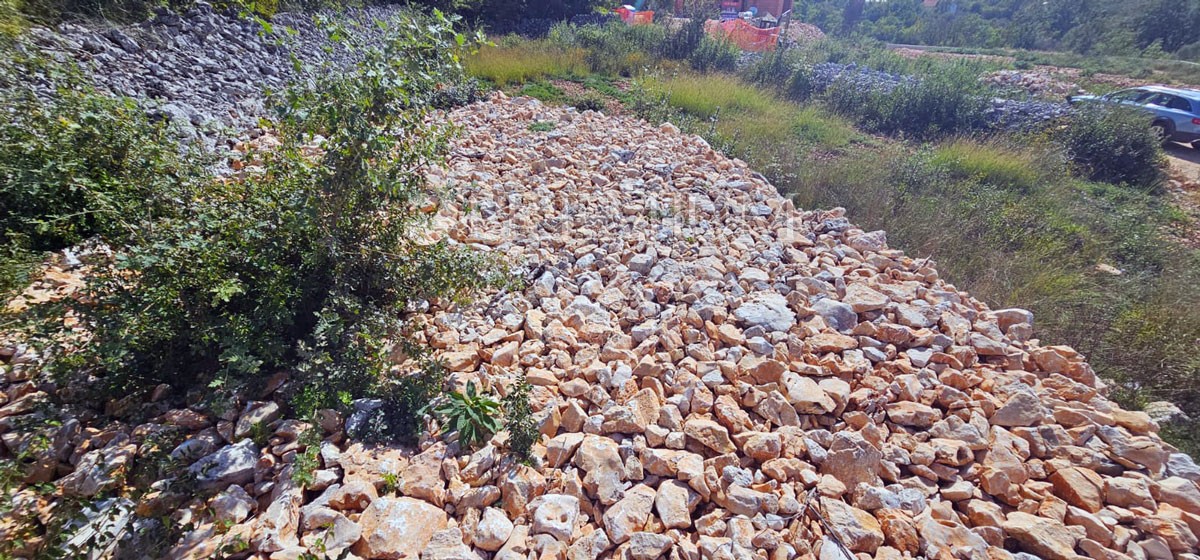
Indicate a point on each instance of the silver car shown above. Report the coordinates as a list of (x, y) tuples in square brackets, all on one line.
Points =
[(1176, 112)]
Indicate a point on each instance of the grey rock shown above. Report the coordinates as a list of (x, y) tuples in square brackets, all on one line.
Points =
[(838, 315), (233, 464)]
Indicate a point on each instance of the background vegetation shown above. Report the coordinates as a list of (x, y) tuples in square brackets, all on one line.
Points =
[(1109, 27)]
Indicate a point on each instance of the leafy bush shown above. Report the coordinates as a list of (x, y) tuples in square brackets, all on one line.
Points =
[(589, 101), (80, 164), (472, 415), (712, 54), (307, 265), (518, 419), (613, 49), (943, 102), (800, 84), (684, 38), (1113, 145)]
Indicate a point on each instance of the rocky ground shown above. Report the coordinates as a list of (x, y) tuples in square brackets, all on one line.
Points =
[(716, 374), (208, 71)]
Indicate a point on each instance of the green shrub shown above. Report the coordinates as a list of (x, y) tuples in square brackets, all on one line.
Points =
[(773, 69), (80, 164), (614, 49), (589, 101), (518, 419), (684, 38), (472, 415), (307, 265), (1113, 145), (717, 55), (945, 102), (800, 85)]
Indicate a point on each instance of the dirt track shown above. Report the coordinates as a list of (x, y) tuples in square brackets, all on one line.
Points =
[(1185, 160)]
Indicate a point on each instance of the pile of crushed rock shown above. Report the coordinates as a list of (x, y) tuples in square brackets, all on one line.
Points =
[(716, 374), (208, 71)]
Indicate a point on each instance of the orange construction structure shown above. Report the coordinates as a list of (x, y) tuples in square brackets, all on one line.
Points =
[(631, 17), (744, 35)]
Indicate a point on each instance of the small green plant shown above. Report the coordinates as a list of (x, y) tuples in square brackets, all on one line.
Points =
[(589, 101), (308, 460), (518, 420), (542, 126), (391, 482), (472, 414)]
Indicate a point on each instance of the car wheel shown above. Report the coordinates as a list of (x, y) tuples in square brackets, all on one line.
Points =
[(1160, 132)]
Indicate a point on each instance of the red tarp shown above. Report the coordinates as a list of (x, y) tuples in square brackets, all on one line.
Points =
[(744, 35)]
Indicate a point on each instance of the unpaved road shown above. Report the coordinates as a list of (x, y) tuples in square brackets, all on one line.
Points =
[(1185, 160)]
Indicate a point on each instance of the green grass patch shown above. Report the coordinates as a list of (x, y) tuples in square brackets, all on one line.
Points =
[(703, 95), (522, 62), (994, 162), (751, 121), (541, 126), (544, 91)]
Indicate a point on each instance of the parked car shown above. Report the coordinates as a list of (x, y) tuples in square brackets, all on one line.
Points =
[(1176, 112)]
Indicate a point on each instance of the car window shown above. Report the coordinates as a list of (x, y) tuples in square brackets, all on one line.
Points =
[(1129, 95), (1179, 103), (1160, 99), (1169, 101)]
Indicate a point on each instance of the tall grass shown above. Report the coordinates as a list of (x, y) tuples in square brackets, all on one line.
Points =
[(508, 64), (745, 119), (997, 162), (705, 95)]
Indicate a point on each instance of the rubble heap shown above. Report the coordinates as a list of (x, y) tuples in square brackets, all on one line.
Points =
[(716, 375)]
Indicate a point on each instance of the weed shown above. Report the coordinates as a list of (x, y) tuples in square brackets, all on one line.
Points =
[(589, 102), (391, 482), (715, 55), (518, 419), (471, 414), (541, 126), (308, 460)]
